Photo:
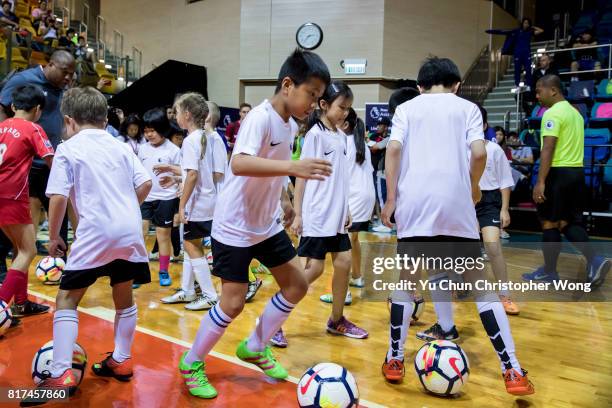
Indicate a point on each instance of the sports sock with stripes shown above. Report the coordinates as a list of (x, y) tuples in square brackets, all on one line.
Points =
[(211, 329), (274, 315), (401, 310)]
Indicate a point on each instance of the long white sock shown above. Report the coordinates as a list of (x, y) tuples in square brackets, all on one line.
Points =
[(211, 329), (497, 326), (125, 328), (274, 315), (187, 278), (401, 310), (202, 275), (65, 332), (443, 302)]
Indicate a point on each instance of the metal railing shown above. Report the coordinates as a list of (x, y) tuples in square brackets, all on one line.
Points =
[(117, 43), (483, 75), (560, 50), (136, 63), (85, 18), (100, 28)]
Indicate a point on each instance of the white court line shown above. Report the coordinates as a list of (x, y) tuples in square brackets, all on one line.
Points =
[(107, 314)]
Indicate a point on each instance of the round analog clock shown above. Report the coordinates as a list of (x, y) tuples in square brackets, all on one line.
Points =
[(309, 36)]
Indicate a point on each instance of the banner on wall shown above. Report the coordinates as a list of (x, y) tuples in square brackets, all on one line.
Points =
[(373, 112)]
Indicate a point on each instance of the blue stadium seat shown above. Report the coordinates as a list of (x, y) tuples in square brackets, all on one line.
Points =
[(581, 91), (595, 155), (586, 21), (601, 115), (583, 110), (604, 91), (535, 120)]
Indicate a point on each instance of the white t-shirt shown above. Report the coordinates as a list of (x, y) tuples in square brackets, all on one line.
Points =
[(201, 204), (247, 208), (434, 190), (362, 195), (521, 152), (497, 174), (100, 174), (165, 153), (325, 204)]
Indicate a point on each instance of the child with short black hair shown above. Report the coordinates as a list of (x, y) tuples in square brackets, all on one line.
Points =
[(20, 140), (103, 178), (262, 154), (162, 203)]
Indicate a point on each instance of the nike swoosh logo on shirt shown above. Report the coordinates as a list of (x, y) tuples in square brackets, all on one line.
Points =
[(495, 221), (327, 153), (167, 222), (275, 144)]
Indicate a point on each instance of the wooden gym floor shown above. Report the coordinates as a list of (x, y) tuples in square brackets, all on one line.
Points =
[(567, 348)]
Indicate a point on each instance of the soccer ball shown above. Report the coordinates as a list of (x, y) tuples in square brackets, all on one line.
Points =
[(417, 310), (49, 270), (43, 360), (327, 385), (442, 367), (5, 317)]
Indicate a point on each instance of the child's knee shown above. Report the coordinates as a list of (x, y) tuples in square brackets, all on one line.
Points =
[(233, 307)]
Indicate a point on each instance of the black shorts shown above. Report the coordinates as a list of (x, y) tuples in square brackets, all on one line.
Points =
[(439, 246), (359, 226), (488, 209), (197, 230), (565, 191), (232, 263), (318, 247), (38, 178), (118, 270), (160, 212)]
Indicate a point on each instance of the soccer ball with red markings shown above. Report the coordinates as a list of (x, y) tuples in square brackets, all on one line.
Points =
[(5, 317), (442, 367), (49, 270), (43, 360), (327, 385)]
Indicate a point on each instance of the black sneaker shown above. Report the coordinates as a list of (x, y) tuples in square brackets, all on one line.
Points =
[(15, 322), (28, 309), (253, 288), (435, 332)]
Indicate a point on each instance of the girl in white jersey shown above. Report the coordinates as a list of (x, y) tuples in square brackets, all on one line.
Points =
[(162, 203), (322, 206)]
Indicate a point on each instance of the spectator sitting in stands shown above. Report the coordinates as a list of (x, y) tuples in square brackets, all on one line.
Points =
[(231, 131), (521, 154), (500, 139), (585, 60), (64, 39), (382, 130), (80, 52), (39, 13), (49, 30), (544, 68), (7, 17)]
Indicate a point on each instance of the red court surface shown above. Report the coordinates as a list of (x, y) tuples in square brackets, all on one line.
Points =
[(156, 381)]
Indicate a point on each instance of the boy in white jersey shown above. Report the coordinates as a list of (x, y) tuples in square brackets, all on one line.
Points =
[(106, 183), (162, 203), (246, 223), (432, 188), (322, 207)]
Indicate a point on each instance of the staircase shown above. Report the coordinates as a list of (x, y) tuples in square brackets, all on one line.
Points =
[(500, 100)]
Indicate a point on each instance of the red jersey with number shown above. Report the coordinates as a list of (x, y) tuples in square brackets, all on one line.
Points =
[(20, 142)]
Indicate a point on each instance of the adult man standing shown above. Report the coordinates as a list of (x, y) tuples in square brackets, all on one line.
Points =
[(53, 79), (560, 189), (232, 129)]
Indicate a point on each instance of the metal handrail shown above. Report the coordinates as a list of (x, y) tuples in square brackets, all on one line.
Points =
[(559, 50), (117, 43), (83, 28), (86, 13), (100, 28)]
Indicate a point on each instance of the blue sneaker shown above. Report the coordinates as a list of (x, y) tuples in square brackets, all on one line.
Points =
[(541, 275), (164, 278), (597, 270)]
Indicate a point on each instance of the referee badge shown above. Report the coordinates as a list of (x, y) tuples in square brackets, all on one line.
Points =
[(549, 125)]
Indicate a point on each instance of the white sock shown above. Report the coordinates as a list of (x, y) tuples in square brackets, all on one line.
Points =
[(202, 275), (274, 315), (443, 302), (65, 332), (125, 327), (398, 328), (211, 329), (497, 326), (187, 278)]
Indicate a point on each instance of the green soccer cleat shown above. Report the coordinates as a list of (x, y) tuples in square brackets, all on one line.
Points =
[(196, 379), (263, 359)]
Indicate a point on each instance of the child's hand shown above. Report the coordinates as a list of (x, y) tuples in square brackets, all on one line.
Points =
[(296, 226), (349, 220), (57, 247), (387, 212), (181, 214), (289, 214), (166, 181), (504, 218), (476, 194), (162, 168), (311, 169)]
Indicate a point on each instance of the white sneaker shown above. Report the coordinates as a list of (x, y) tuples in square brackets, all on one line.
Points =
[(503, 234), (382, 228), (154, 256), (357, 283), (179, 297), (201, 303)]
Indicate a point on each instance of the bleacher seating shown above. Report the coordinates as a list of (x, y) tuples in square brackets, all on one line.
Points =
[(535, 120), (604, 91), (595, 155), (601, 115)]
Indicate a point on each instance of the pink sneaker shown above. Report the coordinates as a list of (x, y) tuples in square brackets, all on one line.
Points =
[(344, 327), (279, 339)]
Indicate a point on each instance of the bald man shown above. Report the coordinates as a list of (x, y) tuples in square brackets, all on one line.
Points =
[(53, 79), (560, 190)]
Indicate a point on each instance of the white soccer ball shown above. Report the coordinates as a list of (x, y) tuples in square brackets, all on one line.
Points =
[(327, 385), (43, 360), (442, 367), (49, 270), (5, 317)]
